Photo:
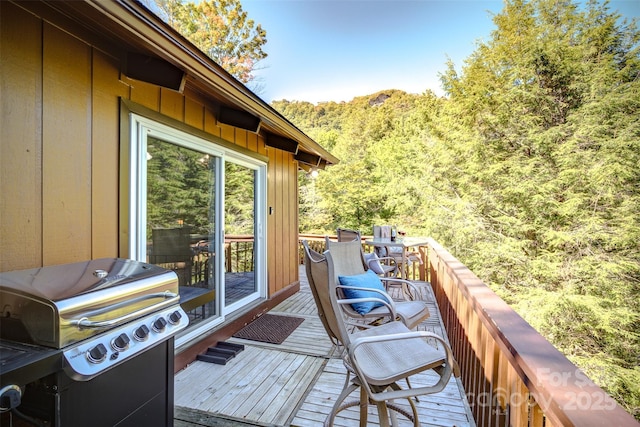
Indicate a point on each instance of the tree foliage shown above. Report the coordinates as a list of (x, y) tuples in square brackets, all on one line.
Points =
[(222, 30), (528, 171), (179, 188)]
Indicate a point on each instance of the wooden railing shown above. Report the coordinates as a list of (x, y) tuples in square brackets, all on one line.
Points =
[(512, 375), (415, 271), (239, 251)]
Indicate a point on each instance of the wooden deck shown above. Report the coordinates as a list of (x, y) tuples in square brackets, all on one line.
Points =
[(296, 383)]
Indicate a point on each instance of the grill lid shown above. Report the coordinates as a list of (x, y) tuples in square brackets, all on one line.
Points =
[(59, 282), (62, 304)]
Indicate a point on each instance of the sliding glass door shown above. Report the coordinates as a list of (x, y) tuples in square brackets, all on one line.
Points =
[(197, 208)]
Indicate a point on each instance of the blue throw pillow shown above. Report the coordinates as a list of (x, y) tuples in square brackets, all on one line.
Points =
[(367, 280)]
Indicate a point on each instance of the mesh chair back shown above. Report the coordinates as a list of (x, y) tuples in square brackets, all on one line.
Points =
[(346, 235), (337, 310), (347, 257), (318, 276), (170, 245)]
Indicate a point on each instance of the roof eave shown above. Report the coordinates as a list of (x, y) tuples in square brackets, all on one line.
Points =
[(140, 26)]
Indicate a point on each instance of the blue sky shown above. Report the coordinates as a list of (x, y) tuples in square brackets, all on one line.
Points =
[(335, 50)]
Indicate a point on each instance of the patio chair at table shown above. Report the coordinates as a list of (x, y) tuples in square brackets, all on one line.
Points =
[(401, 258), (376, 358)]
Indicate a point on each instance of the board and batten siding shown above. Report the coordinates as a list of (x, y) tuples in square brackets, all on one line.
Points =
[(60, 148)]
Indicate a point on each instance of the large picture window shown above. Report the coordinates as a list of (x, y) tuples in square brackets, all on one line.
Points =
[(197, 208)]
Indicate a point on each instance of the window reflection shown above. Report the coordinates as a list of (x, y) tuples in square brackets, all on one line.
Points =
[(240, 222), (181, 221)]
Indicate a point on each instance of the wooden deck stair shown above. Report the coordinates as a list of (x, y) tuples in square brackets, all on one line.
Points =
[(295, 383)]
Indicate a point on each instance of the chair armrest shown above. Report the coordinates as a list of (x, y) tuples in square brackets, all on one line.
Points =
[(383, 294), (409, 288), (382, 263), (392, 311), (385, 299), (391, 260)]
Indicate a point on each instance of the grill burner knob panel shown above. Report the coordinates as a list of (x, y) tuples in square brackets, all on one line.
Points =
[(121, 342), (97, 354), (142, 333), (89, 358), (159, 324), (174, 318)]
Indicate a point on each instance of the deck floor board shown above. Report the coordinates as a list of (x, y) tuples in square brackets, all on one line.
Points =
[(296, 383)]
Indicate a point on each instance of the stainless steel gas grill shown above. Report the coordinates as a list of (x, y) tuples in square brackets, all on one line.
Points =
[(90, 343)]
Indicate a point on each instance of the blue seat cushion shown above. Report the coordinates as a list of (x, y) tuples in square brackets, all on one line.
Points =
[(367, 280)]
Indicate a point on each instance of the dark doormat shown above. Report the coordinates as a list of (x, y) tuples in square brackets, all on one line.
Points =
[(270, 328)]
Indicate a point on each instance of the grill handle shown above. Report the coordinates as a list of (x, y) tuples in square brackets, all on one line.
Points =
[(85, 323)]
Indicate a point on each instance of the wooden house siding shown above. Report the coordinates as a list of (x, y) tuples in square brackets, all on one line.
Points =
[(283, 222), (61, 87)]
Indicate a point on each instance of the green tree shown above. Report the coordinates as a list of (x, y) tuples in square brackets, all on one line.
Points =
[(221, 29), (527, 171), (548, 114), (179, 188), (239, 194), (549, 109)]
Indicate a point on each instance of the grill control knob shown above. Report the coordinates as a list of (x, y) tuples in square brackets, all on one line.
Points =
[(142, 333), (159, 324), (120, 343), (174, 318), (97, 354)]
